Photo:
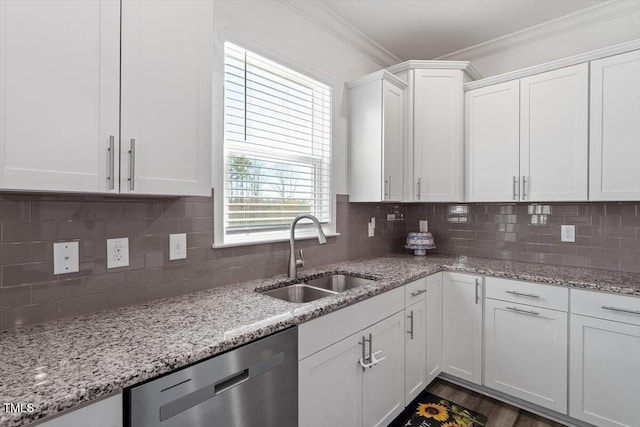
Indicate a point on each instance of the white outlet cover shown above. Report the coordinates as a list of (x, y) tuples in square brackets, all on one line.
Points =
[(177, 246), (118, 252), (567, 233), (66, 257)]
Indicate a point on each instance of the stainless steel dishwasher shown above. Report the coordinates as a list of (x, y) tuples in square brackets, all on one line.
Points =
[(253, 385)]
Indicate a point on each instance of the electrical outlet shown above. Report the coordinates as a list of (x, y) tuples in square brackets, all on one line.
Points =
[(118, 252), (371, 230), (568, 233), (65, 258), (177, 246)]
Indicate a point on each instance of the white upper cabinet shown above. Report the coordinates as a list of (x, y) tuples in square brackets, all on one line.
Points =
[(437, 135), (167, 62), (492, 143), (376, 138), (614, 161), (77, 87), (553, 134), (59, 66)]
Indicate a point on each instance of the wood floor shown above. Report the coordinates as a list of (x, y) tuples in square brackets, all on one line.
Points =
[(500, 414)]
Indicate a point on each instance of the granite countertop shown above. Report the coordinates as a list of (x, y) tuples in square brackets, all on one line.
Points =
[(61, 364)]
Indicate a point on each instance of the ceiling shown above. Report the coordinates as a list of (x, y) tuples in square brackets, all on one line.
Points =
[(403, 27)]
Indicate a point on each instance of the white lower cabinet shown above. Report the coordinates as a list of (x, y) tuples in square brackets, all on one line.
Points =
[(337, 387), (605, 359), (105, 413), (433, 327), (526, 353), (414, 350), (462, 326), (330, 386)]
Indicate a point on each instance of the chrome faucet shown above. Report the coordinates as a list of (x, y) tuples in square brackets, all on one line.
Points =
[(293, 262)]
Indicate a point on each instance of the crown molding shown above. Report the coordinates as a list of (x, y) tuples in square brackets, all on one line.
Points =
[(323, 17), (377, 76), (582, 19), (554, 65), (412, 64)]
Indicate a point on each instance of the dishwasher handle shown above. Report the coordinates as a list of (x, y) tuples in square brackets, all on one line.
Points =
[(211, 391)]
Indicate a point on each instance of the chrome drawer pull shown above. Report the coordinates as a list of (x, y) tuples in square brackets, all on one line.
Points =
[(523, 294), (477, 294), (622, 310), (535, 313), (415, 294)]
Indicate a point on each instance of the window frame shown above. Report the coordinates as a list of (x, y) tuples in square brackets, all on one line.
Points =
[(303, 231)]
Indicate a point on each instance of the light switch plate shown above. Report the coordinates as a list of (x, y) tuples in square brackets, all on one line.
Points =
[(66, 257), (118, 252), (177, 246), (568, 233)]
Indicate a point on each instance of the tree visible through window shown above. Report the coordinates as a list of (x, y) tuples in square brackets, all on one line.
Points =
[(277, 145)]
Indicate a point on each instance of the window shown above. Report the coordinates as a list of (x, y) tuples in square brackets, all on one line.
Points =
[(277, 147)]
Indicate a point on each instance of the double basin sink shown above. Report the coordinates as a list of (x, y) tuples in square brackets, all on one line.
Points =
[(320, 287)]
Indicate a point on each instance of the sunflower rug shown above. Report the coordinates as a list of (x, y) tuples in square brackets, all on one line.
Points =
[(429, 410)]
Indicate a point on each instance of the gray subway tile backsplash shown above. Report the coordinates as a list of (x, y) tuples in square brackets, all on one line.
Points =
[(607, 234), (607, 237)]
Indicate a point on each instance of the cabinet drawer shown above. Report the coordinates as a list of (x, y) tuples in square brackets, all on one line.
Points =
[(535, 294), (414, 291), (324, 331), (620, 308)]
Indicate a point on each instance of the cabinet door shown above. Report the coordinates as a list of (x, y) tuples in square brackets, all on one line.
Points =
[(437, 135), (383, 384), (553, 134), (492, 143), (433, 327), (166, 97), (462, 326), (59, 67), (604, 372), (105, 413), (414, 350), (614, 161), (393, 137), (330, 386), (526, 353)]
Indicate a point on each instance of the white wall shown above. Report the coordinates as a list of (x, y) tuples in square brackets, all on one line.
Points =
[(596, 28), (273, 29)]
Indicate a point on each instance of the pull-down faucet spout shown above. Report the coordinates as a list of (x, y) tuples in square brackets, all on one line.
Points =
[(293, 262)]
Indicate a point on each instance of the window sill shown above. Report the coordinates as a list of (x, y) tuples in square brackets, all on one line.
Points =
[(263, 240)]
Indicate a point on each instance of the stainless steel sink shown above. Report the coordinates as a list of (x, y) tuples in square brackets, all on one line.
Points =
[(299, 293), (338, 282)]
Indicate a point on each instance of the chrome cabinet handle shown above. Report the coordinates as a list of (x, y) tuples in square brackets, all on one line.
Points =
[(416, 293), (370, 347), (622, 310), (132, 164), (410, 331), (535, 313), (524, 187), (477, 293), (111, 167), (364, 357), (521, 294), (419, 184), (515, 188), (389, 187)]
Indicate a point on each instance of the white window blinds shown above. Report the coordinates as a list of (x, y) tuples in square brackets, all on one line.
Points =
[(277, 145)]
